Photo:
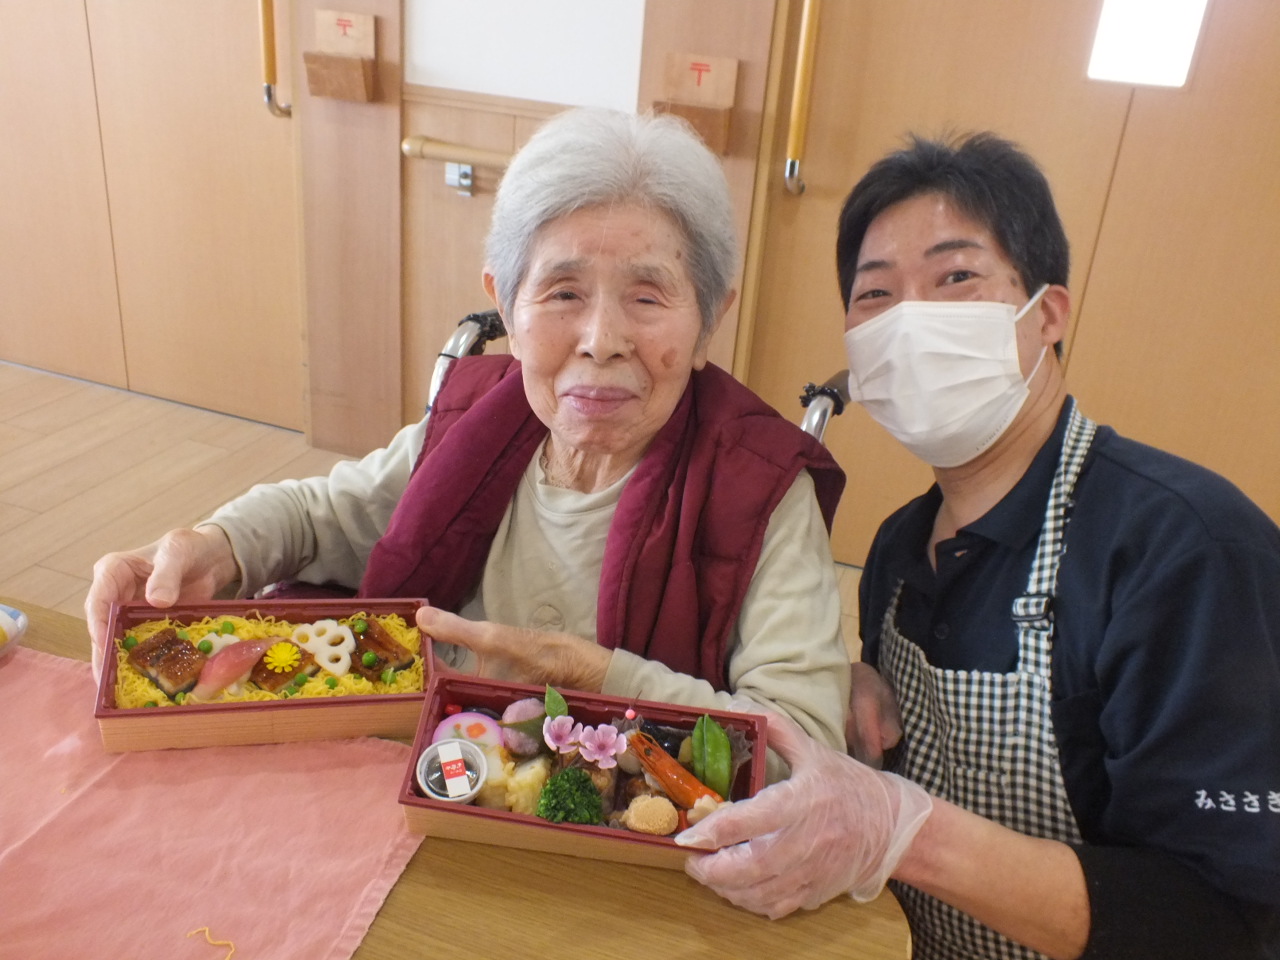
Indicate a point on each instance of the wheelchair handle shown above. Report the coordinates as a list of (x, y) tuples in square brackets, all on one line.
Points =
[(823, 402), (473, 332)]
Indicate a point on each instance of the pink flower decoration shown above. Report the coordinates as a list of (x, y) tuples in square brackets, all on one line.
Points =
[(561, 733), (599, 745)]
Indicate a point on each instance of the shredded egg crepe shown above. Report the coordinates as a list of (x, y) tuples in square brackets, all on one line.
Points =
[(133, 689)]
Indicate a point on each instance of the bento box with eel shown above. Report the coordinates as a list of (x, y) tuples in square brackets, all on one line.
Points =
[(260, 671)]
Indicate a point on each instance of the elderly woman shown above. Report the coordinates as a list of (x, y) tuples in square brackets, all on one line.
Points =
[(601, 510)]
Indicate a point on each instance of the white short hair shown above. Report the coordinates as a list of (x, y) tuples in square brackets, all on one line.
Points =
[(590, 157)]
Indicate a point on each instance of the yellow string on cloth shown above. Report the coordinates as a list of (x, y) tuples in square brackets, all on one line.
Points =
[(215, 943)]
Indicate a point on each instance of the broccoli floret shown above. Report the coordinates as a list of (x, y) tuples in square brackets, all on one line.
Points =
[(571, 797)]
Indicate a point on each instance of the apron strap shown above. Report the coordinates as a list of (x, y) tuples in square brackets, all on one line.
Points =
[(1033, 611)]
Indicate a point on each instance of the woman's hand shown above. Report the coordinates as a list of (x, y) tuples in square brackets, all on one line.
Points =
[(874, 723), (187, 565), (520, 655), (836, 826)]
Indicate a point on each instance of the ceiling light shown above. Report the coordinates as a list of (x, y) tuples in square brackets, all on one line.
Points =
[(1146, 41)]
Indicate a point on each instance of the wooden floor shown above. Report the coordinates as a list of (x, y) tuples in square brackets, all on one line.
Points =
[(87, 469)]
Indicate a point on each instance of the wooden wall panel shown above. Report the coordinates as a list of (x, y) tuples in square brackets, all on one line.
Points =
[(885, 68), (718, 28), (203, 207), (350, 160), (58, 306), (444, 231), (1180, 326)]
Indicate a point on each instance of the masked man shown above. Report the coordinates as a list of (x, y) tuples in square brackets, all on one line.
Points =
[(1081, 633)]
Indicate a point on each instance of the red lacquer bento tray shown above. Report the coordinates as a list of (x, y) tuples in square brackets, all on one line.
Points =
[(439, 818), (282, 721)]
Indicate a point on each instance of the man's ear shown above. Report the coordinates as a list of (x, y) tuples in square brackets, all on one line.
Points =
[(491, 290), (704, 339), (1055, 311)]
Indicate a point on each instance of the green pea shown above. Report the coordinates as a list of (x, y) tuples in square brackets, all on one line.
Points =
[(300, 680), (331, 682), (388, 675), (369, 659), (130, 642), (205, 646), (228, 626), (183, 635), (179, 698), (151, 703), (360, 626)]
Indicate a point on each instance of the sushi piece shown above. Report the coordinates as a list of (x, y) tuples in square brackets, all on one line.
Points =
[(172, 663), (278, 666), (229, 666), (469, 725), (377, 650)]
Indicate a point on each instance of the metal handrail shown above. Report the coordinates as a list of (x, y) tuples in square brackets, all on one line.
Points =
[(267, 26), (799, 123)]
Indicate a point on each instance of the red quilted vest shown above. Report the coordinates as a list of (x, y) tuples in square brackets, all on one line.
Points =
[(685, 537)]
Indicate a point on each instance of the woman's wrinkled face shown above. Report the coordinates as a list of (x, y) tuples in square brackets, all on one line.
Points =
[(606, 327)]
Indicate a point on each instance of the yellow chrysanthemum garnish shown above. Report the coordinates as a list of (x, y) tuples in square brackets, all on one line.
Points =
[(282, 657)]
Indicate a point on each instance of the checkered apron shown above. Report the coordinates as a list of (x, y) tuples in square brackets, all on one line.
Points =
[(985, 741)]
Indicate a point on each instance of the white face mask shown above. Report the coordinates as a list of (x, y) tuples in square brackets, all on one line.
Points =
[(943, 377)]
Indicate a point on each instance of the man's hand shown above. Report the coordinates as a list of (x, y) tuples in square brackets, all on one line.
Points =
[(874, 724), (836, 826)]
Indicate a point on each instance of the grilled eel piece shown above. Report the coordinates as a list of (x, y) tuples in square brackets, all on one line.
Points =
[(172, 663), (387, 651), (270, 680)]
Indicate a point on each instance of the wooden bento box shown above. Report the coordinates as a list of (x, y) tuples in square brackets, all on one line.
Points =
[(275, 721), (440, 818)]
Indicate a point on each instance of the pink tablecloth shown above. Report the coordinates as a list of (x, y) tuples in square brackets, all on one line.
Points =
[(286, 851)]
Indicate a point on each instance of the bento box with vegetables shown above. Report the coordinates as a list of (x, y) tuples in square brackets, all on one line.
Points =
[(574, 773), (259, 671)]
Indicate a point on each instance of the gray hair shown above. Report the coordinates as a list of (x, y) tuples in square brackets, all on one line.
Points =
[(590, 157)]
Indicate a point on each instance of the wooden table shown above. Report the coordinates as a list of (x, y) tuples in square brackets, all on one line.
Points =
[(494, 903)]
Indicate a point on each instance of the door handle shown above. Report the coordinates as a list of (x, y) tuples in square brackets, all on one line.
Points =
[(267, 24), (799, 122)]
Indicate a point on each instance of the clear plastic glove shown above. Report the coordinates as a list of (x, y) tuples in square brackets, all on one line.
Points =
[(836, 826), (187, 565), (874, 724)]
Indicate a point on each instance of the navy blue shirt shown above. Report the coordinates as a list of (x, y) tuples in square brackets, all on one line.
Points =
[(1166, 680)]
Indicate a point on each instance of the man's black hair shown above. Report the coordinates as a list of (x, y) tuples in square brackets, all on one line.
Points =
[(988, 179)]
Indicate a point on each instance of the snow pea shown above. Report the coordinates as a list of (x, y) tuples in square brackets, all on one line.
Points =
[(712, 755)]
